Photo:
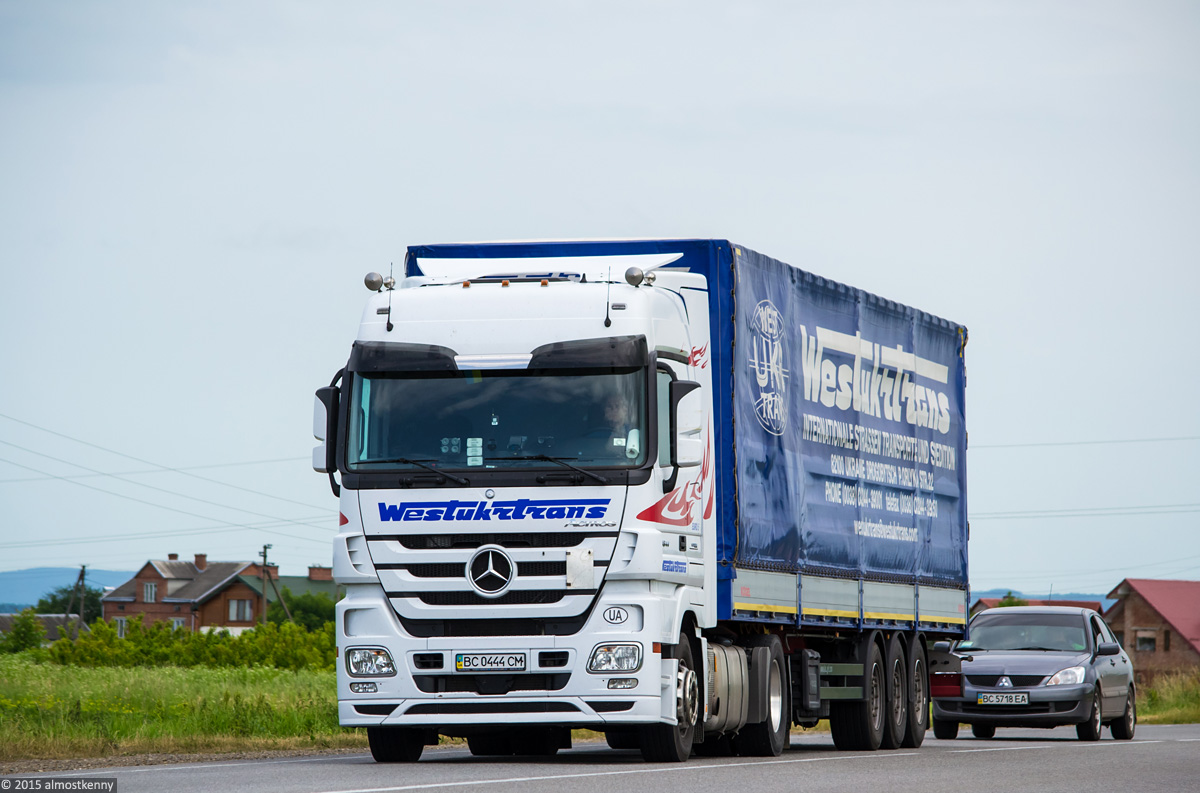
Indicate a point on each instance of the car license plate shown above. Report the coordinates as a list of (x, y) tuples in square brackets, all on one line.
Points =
[(489, 662), (1015, 698)]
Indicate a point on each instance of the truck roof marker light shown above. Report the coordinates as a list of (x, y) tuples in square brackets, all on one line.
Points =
[(342, 519), (466, 284), (545, 282), (504, 282)]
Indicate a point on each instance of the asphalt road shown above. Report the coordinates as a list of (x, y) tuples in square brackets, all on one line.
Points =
[(1161, 758)]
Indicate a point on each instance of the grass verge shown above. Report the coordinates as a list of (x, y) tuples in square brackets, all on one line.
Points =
[(49, 711), (1174, 699)]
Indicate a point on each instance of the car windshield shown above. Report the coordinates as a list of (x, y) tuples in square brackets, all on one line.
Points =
[(498, 419), (995, 630)]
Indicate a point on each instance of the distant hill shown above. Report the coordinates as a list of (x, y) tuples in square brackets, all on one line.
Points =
[(25, 587), (999, 593)]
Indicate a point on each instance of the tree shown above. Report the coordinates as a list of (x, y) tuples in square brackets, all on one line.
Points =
[(26, 633), (1011, 600), (56, 602), (309, 610)]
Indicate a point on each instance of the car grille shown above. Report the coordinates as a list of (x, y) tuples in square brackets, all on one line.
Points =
[(1018, 681)]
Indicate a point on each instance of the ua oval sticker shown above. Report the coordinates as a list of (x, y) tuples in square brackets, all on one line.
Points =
[(616, 615)]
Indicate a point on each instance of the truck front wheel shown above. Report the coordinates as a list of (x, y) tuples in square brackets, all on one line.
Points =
[(395, 744), (666, 743)]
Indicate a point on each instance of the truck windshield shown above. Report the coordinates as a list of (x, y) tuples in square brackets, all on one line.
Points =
[(498, 419)]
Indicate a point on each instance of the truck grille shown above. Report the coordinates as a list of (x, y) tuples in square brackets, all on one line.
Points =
[(456, 570), (523, 596)]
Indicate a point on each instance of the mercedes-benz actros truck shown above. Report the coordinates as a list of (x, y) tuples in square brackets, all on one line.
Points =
[(674, 491)]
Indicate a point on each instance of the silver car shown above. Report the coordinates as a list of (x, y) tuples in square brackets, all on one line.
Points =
[(1037, 666)]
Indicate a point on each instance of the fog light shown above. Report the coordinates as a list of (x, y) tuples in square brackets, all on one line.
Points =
[(623, 682), (369, 662), (616, 658), (364, 688)]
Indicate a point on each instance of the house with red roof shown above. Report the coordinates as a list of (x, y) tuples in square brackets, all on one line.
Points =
[(204, 595), (1158, 624)]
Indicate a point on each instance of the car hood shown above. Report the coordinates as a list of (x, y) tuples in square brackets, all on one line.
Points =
[(1023, 662)]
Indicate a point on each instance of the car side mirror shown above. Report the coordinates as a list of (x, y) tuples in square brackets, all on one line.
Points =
[(1108, 648), (941, 647)]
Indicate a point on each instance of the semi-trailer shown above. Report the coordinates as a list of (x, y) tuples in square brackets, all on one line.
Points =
[(675, 491)]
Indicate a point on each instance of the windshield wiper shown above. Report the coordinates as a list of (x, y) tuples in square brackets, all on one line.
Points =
[(557, 460), (421, 464), (1043, 649)]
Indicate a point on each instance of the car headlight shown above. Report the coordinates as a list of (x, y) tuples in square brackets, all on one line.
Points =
[(616, 658), (369, 662), (1068, 677)]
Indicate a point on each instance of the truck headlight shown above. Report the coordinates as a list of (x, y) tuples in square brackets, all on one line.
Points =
[(1068, 677), (369, 662), (616, 658)]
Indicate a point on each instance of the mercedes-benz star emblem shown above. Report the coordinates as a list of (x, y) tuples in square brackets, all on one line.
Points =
[(490, 571)]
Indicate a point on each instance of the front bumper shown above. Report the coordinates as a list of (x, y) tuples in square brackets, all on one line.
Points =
[(553, 689), (1049, 706)]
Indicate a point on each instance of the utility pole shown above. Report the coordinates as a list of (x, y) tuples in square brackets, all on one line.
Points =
[(79, 591), (264, 576)]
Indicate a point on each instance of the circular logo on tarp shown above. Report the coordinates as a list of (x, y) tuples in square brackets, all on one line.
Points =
[(767, 355), (490, 571)]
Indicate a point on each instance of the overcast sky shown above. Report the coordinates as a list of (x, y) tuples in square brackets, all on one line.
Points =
[(191, 193)]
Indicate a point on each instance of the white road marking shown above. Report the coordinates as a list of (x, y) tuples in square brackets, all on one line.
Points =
[(143, 769), (1000, 749), (654, 770), (1111, 743)]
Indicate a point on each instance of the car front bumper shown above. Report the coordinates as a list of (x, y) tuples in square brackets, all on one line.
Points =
[(1049, 706)]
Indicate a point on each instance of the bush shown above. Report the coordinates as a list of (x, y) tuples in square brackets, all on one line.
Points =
[(26, 634), (286, 646)]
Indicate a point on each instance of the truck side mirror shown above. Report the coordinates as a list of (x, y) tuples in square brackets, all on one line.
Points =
[(687, 416), (325, 409)]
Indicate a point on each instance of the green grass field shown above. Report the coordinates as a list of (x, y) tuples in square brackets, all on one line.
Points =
[(52, 711)]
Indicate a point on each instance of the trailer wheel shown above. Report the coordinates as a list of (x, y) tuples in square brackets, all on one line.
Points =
[(858, 726), (769, 737), (918, 709), (896, 694), (395, 744), (666, 743)]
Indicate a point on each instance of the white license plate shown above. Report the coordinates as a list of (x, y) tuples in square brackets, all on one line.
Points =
[(1016, 698), (489, 662)]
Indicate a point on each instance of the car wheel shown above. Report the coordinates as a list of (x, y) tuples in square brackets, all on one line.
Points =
[(1090, 729), (983, 730), (945, 730), (1122, 728)]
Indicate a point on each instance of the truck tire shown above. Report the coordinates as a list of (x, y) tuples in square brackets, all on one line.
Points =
[(918, 704), (395, 744), (490, 744), (895, 713), (858, 726), (945, 730), (667, 743), (622, 739), (771, 736)]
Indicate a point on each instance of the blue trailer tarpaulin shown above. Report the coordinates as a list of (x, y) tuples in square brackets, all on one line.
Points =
[(850, 443)]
